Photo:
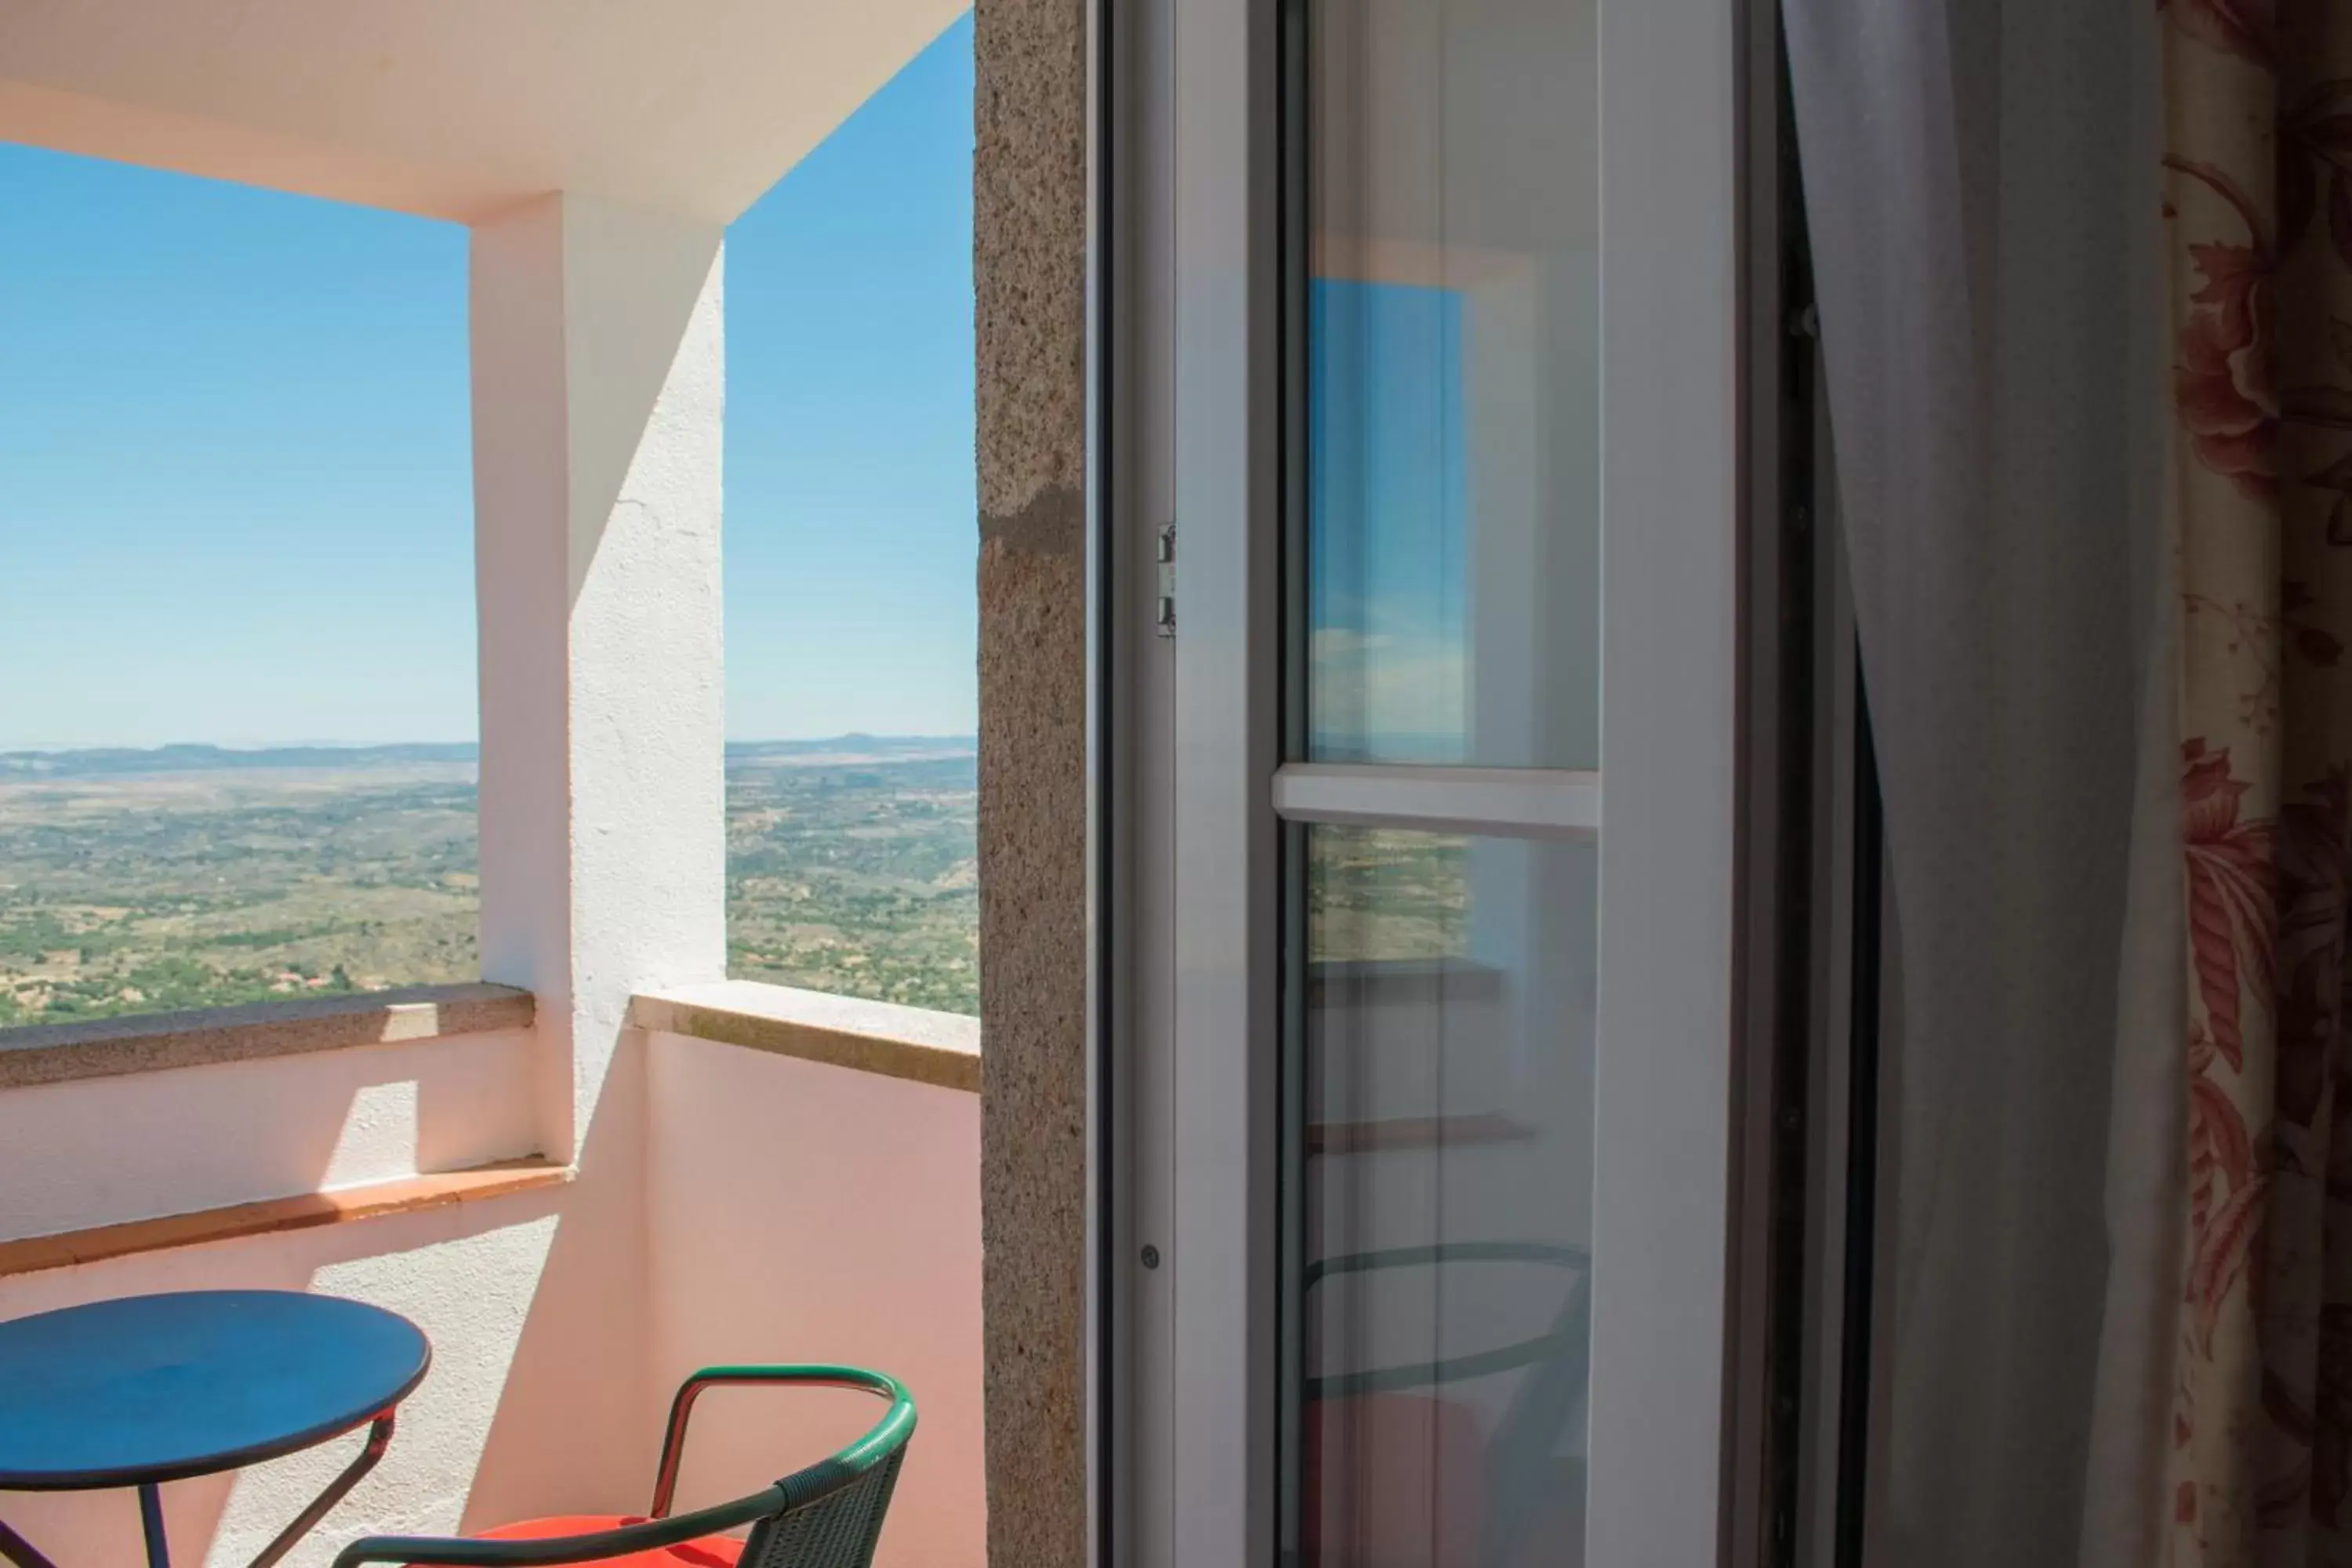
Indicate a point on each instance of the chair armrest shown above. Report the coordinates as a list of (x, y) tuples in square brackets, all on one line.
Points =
[(447, 1551), (681, 1408)]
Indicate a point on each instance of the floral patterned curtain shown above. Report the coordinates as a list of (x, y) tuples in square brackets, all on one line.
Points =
[(2259, 224)]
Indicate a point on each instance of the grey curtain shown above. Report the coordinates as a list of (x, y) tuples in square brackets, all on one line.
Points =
[(1981, 181)]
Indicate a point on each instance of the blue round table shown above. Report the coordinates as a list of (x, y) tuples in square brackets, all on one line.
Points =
[(148, 1389)]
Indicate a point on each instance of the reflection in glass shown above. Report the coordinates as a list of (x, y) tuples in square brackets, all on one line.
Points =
[(1451, 354), (1439, 1277)]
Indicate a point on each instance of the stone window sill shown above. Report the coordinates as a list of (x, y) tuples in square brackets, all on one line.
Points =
[(910, 1043)]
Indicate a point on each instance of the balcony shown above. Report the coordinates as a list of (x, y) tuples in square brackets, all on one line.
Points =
[(770, 1175), (606, 1164)]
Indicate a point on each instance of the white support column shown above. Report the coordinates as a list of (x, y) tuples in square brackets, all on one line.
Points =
[(598, 389)]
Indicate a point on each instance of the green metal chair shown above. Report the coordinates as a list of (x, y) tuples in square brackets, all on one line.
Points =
[(826, 1516)]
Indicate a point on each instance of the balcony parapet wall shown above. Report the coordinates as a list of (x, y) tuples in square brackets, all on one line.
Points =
[(910, 1043), (152, 1042)]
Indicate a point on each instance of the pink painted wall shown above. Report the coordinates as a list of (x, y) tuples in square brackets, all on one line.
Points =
[(196, 1137), (801, 1212)]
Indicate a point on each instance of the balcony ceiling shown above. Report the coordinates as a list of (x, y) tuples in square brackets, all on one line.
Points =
[(457, 109)]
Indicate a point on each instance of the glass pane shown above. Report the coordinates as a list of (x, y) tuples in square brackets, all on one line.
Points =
[(1452, 356), (1440, 1067)]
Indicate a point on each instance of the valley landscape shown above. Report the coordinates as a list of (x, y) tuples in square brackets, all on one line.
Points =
[(136, 881)]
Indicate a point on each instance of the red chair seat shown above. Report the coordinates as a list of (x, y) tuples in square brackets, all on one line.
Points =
[(709, 1552), (1393, 1480)]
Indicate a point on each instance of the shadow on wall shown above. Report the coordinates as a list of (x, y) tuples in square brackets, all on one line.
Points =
[(806, 1212), (199, 1138)]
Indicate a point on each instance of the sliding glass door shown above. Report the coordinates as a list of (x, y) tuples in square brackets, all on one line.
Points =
[(1441, 1111)]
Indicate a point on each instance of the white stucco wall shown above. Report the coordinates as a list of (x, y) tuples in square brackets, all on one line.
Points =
[(599, 385)]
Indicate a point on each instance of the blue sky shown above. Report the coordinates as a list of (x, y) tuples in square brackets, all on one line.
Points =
[(1387, 593), (235, 484)]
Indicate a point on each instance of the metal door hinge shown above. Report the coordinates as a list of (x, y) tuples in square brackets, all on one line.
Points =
[(1163, 609)]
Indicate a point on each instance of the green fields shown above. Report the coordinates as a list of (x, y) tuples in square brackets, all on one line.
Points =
[(1385, 895), (135, 882), (856, 876)]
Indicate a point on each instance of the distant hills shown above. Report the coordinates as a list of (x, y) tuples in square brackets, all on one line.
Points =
[(853, 749), (112, 761)]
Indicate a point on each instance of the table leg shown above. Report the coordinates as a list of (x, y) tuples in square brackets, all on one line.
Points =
[(19, 1550), (379, 1439), (151, 1522)]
